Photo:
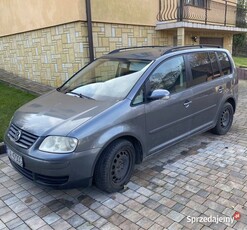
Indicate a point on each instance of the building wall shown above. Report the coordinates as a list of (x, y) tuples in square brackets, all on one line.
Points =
[(20, 16), (135, 12), (227, 37), (51, 55)]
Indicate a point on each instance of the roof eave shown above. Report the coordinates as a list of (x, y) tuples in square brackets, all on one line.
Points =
[(192, 25)]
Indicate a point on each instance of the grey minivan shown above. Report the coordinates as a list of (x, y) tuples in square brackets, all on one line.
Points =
[(121, 108)]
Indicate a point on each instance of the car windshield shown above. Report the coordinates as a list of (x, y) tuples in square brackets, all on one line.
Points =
[(105, 79)]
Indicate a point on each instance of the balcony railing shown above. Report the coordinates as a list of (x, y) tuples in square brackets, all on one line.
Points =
[(200, 11)]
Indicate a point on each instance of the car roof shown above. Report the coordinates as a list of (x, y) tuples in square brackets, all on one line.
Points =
[(150, 53)]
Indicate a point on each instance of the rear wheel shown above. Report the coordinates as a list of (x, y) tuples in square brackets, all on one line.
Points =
[(114, 168), (225, 119)]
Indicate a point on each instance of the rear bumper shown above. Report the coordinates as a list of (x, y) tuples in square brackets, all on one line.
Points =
[(57, 170)]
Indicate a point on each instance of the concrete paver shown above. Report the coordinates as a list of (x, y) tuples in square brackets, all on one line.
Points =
[(204, 176)]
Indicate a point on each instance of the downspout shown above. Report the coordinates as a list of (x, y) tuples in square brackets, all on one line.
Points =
[(90, 30)]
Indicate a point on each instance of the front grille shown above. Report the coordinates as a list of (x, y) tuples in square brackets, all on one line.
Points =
[(21, 137), (40, 179)]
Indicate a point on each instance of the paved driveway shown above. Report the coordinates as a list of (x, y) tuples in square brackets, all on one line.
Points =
[(200, 180)]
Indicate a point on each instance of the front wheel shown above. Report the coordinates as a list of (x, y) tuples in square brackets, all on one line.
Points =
[(114, 167), (225, 119)]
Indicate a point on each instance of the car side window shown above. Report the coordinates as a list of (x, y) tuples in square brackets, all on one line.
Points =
[(169, 75), (225, 63), (201, 68), (139, 98), (215, 66)]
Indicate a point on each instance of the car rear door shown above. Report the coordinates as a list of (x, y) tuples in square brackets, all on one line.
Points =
[(207, 89)]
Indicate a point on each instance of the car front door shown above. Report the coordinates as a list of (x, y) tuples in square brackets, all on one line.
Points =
[(168, 119)]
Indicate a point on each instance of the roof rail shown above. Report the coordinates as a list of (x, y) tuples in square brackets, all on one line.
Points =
[(177, 48), (135, 47)]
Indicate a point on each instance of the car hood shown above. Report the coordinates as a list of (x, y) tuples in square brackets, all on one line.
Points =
[(57, 114)]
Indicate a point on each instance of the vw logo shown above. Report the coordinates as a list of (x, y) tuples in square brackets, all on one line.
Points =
[(17, 135)]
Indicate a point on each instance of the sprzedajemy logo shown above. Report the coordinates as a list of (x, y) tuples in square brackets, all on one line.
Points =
[(213, 219)]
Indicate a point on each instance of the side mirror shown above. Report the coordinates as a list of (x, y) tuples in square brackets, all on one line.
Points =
[(159, 94)]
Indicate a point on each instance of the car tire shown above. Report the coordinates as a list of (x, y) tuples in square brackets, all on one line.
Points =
[(115, 166), (225, 119)]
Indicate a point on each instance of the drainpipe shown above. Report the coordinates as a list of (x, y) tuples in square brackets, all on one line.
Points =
[(90, 30)]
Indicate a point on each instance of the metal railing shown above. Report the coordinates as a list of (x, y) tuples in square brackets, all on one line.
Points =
[(202, 11)]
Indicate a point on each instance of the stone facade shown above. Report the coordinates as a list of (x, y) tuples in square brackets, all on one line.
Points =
[(48, 55), (51, 55), (108, 37)]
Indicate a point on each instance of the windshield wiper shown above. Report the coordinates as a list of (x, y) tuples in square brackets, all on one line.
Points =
[(81, 95)]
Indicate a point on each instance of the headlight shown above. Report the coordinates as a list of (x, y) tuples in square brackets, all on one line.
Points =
[(58, 144)]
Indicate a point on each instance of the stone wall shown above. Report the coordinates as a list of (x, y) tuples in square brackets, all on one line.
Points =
[(108, 37), (49, 56), (242, 73), (52, 55)]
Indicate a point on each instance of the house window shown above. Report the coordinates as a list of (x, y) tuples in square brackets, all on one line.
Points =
[(198, 3)]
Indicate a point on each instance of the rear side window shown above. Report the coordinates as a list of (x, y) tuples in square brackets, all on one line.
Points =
[(200, 66), (225, 63), (215, 66)]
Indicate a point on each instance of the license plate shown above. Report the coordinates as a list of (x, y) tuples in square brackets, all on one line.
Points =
[(15, 157)]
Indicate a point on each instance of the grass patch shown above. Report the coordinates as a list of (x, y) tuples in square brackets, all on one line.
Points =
[(11, 99), (240, 61)]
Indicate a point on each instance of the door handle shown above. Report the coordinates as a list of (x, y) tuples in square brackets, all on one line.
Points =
[(187, 103), (221, 89)]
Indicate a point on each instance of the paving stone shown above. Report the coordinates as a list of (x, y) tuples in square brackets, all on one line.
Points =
[(110, 203), (149, 213), (119, 198), (76, 221), (176, 216), (100, 222), (141, 199), (156, 227), (90, 216), (120, 208), (35, 222), (14, 223), (46, 227), (127, 225), (164, 221), (196, 206), (215, 206), (167, 202), (51, 218), (176, 226), (150, 203), (145, 192), (61, 225), (145, 223), (132, 204), (131, 215), (117, 219), (79, 208), (110, 226), (104, 211), (8, 216), (66, 213), (163, 210)]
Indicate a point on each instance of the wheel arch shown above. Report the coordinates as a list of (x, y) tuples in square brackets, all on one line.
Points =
[(232, 102), (136, 143)]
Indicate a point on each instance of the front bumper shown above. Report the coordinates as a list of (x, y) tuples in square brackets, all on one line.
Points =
[(55, 170)]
